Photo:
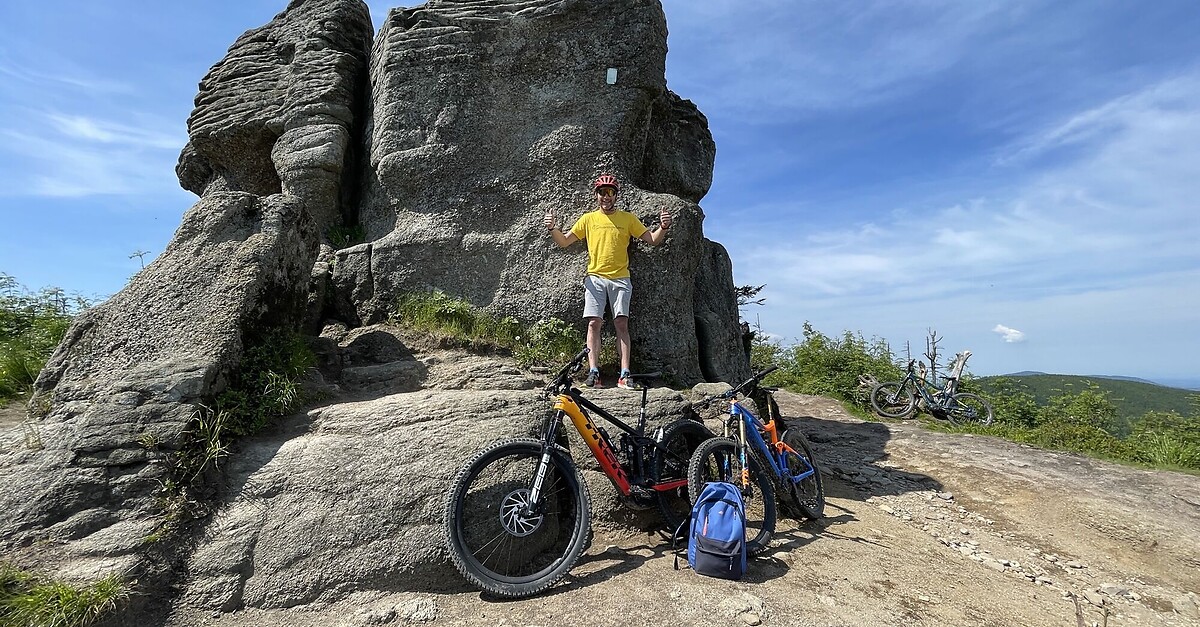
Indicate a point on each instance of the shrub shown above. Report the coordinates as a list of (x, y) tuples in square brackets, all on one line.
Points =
[(1011, 404), (828, 366), (438, 312), (265, 385), (1090, 407), (547, 342), (31, 327)]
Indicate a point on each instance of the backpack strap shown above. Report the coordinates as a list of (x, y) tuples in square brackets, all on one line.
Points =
[(681, 531)]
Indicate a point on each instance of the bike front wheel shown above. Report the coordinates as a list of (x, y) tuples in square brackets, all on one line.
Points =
[(680, 439), (808, 494), (500, 540), (717, 460), (968, 408), (893, 400)]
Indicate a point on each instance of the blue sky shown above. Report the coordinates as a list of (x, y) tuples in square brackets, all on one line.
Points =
[(1020, 176)]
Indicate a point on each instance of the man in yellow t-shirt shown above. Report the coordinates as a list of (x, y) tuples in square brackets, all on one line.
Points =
[(607, 231)]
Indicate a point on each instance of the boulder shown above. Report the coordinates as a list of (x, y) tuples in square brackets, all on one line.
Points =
[(485, 116), (442, 142), (269, 144)]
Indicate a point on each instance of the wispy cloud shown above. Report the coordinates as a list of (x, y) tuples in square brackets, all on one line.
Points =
[(1083, 231), (1008, 334), (65, 155), (817, 55), (74, 80)]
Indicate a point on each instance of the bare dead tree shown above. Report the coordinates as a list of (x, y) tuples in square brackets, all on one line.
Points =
[(931, 352)]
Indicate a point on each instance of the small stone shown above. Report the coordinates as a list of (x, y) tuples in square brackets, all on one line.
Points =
[(1114, 590), (965, 531), (1050, 558), (827, 600), (1186, 606), (1093, 597), (923, 599), (750, 618), (887, 509), (993, 564), (945, 496), (1075, 565)]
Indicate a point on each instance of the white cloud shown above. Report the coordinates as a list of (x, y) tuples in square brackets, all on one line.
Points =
[(65, 155), (1008, 334)]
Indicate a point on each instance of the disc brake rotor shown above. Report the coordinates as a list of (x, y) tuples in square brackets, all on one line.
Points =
[(513, 514)]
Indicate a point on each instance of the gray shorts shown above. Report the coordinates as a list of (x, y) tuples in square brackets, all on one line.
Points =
[(599, 291)]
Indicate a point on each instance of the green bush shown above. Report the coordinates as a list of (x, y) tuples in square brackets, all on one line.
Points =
[(547, 342), (1011, 404), (827, 366), (1079, 437), (438, 312), (1090, 407), (31, 327), (29, 599)]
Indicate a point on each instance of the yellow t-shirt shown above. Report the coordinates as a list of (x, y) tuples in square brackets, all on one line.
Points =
[(607, 238)]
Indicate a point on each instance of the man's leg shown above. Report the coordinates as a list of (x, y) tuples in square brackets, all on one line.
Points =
[(593, 341), (621, 324), (594, 300), (622, 291)]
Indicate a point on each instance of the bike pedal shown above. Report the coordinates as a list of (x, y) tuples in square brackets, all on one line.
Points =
[(639, 498)]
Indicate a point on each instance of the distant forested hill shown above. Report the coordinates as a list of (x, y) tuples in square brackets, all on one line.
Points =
[(1133, 398)]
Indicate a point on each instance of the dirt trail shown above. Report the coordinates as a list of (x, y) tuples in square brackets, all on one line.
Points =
[(922, 528)]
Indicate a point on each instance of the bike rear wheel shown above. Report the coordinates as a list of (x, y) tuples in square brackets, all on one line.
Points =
[(893, 400), (501, 542), (717, 460), (966, 408), (808, 495), (680, 438)]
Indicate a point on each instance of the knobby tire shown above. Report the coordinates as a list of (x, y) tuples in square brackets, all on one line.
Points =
[(893, 401), (524, 555), (965, 408), (716, 460), (808, 496), (680, 438)]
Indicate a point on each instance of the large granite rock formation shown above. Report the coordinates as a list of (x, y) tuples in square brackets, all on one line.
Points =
[(444, 146), (269, 140), (486, 115)]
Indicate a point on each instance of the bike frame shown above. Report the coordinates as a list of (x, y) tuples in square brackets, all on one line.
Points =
[(922, 387), (775, 453), (571, 404)]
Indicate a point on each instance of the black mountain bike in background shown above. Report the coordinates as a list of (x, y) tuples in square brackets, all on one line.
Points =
[(901, 399)]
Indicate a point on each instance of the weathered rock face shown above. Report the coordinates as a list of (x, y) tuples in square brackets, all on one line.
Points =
[(445, 146), (486, 115), (278, 113), (268, 147)]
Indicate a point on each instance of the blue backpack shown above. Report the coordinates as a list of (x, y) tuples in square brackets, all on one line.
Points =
[(717, 532)]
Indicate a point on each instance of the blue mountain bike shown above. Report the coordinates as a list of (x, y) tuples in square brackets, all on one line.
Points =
[(754, 456)]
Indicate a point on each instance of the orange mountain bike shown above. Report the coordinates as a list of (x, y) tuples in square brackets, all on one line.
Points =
[(518, 517)]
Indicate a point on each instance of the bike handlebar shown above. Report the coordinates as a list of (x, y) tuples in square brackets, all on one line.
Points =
[(750, 383), (563, 378)]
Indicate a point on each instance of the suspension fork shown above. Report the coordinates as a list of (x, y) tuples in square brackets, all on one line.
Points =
[(543, 467)]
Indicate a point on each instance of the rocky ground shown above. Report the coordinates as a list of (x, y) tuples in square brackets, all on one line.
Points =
[(921, 528)]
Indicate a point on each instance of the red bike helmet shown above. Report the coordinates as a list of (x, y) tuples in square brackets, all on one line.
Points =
[(606, 180)]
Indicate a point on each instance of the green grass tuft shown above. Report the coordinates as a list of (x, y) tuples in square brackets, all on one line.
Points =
[(545, 342), (27, 599)]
